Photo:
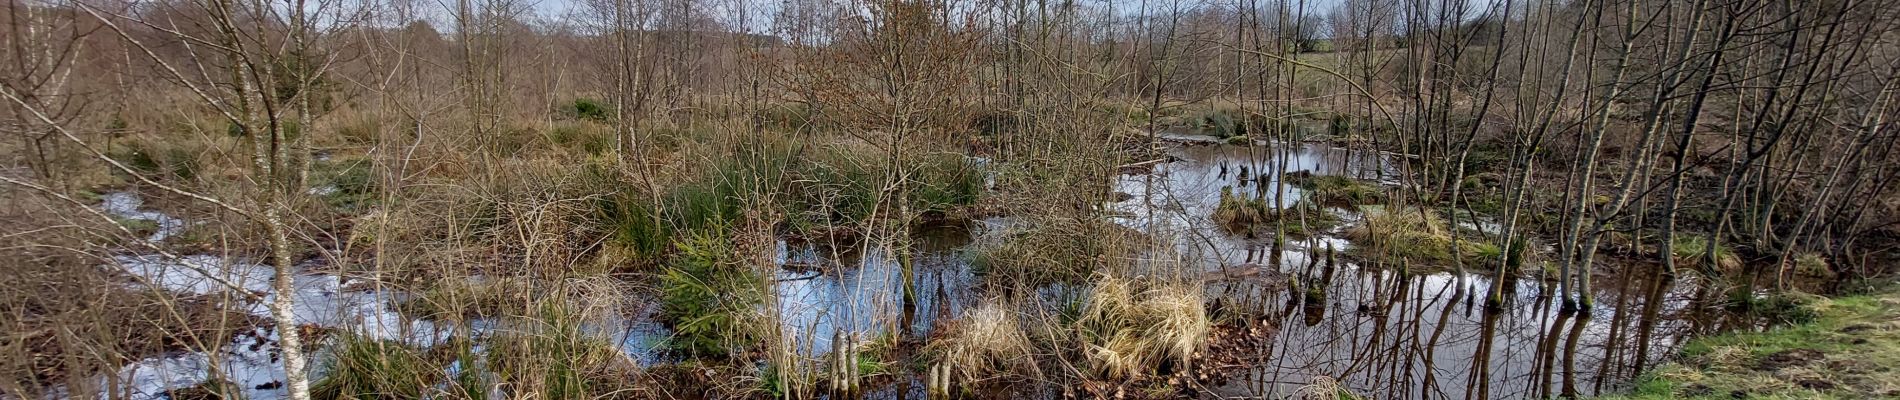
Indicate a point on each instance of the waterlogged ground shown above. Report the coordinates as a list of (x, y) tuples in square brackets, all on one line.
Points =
[(1380, 333), (1372, 331)]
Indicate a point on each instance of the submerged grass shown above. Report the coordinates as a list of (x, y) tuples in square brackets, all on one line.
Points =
[(1846, 352)]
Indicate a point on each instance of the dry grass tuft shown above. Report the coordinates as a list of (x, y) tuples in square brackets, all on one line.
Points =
[(987, 340), (1127, 330)]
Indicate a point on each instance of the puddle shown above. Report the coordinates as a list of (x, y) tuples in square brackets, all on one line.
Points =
[(822, 291), (127, 205)]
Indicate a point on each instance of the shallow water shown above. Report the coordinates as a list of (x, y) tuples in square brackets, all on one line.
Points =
[(1376, 333), (1380, 334), (859, 290), (249, 361), (130, 206)]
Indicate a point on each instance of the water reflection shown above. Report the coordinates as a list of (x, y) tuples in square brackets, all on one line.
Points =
[(1377, 331), (824, 288)]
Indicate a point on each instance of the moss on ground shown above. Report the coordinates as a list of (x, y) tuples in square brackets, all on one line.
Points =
[(1850, 350)]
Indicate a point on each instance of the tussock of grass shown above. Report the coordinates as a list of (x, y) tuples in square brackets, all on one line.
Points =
[(1127, 330), (1420, 236), (1336, 191), (1248, 215), (365, 368), (988, 340), (557, 360), (1812, 264), (1692, 250), (1241, 213)]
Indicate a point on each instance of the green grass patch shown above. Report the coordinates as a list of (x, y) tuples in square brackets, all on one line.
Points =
[(1847, 351), (365, 368)]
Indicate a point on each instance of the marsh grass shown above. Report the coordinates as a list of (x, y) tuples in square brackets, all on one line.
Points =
[(557, 358), (1812, 264), (173, 159), (344, 183), (587, 136), (1128, 328), (1337, 191), (1052, 250), (367, 368), (595, 296), (586, 109), (1419, 235), (987, 340), (1692, 251), (1241, 214)]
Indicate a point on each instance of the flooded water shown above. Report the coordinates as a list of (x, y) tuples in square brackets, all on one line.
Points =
[(1372, 331), (130, 206), (822, 290), (1386, 335)]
